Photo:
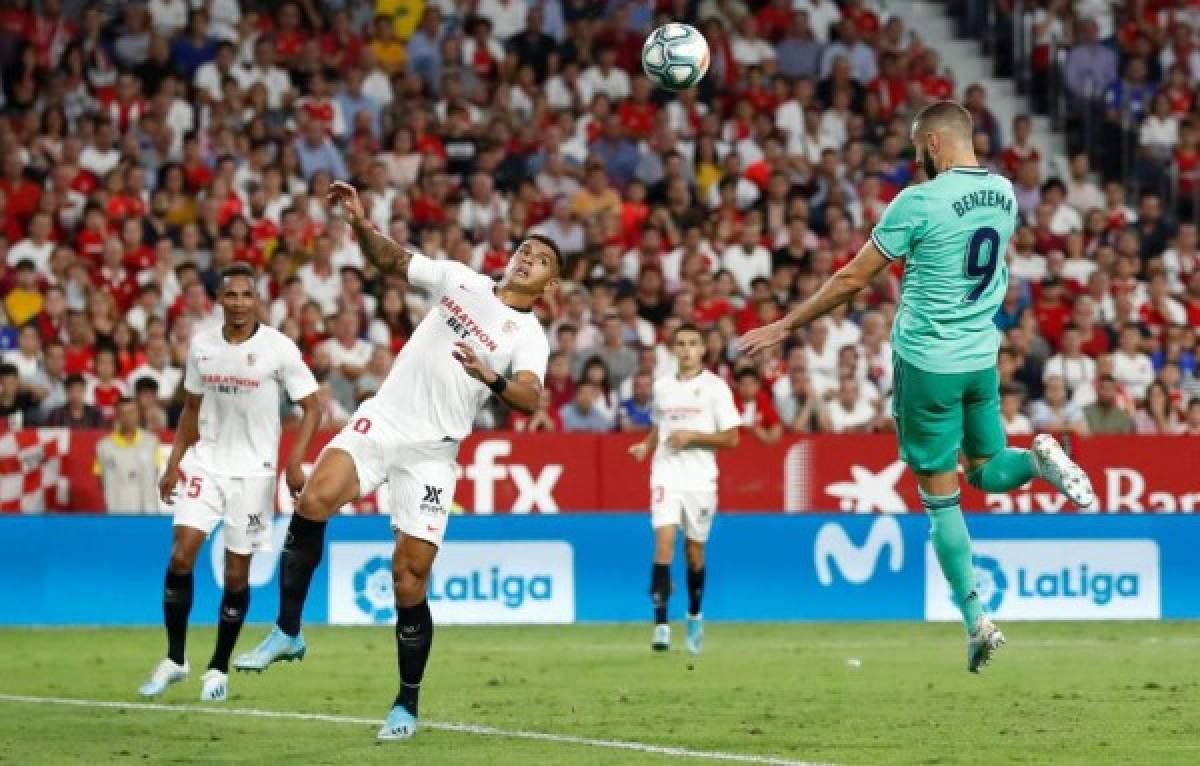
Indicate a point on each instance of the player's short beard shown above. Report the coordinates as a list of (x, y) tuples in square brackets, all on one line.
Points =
[(927, 163)]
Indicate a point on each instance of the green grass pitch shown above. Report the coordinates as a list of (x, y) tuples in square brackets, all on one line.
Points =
[(877, 693)]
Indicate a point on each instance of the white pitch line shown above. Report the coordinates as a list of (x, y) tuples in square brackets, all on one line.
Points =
[(462, 728)]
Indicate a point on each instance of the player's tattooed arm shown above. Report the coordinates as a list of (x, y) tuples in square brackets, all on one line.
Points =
[(384, 253), (187, 433), (839, 289)]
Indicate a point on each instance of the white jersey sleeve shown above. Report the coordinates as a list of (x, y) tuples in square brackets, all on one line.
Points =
[(532, 351), (191, 373), (427, 274), (294, 374), (725, 411)]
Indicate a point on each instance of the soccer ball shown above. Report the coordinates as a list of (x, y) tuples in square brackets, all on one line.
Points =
[(675, 56)]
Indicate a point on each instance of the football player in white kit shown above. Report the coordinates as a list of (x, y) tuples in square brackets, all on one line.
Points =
[(223, 468), (694, 415), (479, 338)]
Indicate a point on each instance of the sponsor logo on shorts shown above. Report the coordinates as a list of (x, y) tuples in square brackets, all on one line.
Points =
[(432, 502)]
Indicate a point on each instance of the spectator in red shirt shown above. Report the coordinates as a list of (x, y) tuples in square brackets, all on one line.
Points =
[(890, 86), (638, 113), (775, 19), (105, 389), (1020, 149), (1097, 338), (340, 46), (113, 277), (759, 416), (709, 308), (138, 255), (21, 195), (1052, 310)]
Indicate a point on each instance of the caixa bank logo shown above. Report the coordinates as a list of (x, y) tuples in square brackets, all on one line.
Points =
[(471, 583), (1056, 580)]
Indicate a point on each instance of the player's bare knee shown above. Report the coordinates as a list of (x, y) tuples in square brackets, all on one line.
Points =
[(316, 503), (182, 560), (409, 582)]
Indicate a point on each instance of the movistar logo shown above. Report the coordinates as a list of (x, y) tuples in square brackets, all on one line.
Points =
[(857, 563)]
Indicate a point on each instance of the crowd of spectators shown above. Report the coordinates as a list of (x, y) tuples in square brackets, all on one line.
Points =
[(145, 146)]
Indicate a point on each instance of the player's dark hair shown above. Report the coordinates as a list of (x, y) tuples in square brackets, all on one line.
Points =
[(237, 270), (74, 379), (124, 400), (559, 261), (748, 372), (945, 115), (145, 383), (7, 370), (687, 327)]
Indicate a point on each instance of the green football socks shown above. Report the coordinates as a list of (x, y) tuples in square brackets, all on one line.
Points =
[(1008, 469), (952, 544)]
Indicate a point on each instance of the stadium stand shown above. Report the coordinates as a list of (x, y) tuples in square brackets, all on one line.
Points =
[(145, 146)]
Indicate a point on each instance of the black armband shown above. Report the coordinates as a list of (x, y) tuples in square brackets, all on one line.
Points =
[(498, 385)]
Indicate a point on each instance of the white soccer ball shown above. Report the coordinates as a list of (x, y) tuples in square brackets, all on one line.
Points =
[(675, 56)]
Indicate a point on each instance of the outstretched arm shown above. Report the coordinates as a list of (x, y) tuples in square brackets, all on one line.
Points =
[(840, 288), (384, 253)]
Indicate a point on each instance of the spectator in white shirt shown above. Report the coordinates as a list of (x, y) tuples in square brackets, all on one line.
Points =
[(508, 17), (1055, 411), (1064, 219), (1023, 261), (101, 156), (482, 206), (275, 79), (1132, 367), (210, 75), (1075, 368), (748, 259), (322, 282), (1160, 130), (822, 16), (348, 353), (850, 411), (37, 247), (169, 17), (563, 227), (1083, 193), (748, 48), (606, 77), (158, 368), (821, 358), (1015, 423)]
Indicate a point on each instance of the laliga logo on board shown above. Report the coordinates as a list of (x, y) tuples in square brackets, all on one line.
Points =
[(857, 563), (990, 581), (1056, 579)]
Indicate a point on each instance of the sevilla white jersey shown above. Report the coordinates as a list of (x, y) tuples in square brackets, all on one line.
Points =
[(428, 394), (243, 386), (702, 403)]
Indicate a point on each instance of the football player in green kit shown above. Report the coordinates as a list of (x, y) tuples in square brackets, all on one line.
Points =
[(953, 231)]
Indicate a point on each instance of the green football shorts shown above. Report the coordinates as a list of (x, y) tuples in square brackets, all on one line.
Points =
[(938, 414)]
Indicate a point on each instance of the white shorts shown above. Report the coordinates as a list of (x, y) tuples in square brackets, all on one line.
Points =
[(690, 509), (246, 504), (419, 474)]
